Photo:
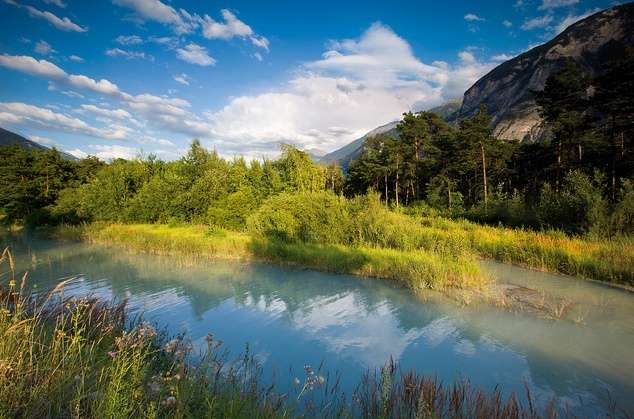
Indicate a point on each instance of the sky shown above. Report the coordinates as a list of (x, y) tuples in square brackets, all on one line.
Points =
[(129, 78)]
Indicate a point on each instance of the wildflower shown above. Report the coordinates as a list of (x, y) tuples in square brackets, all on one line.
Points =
[(320, 379), (177, 377), (296, 381), (12, 283), (112, 354)]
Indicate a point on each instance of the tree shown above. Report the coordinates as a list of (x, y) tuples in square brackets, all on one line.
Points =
[(476, 136), (564, 104)]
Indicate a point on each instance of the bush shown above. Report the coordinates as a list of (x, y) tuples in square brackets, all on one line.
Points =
[(233, 210), (317, 217), (578, 208)]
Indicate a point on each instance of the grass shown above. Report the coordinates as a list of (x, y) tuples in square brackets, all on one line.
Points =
[(599, 259), (75, 357), (416, 269)]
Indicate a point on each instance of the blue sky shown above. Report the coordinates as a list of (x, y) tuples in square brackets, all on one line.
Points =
[(120, 77)]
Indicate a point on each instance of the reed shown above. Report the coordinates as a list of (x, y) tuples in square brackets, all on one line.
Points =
[(600, 259), (416, 269)]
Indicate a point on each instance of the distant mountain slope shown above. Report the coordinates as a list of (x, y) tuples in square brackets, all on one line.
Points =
[(8, 138), (347, 153), (506, 90), (353, 150)]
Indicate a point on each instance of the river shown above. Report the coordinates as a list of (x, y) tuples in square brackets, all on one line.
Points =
[(294, 317)]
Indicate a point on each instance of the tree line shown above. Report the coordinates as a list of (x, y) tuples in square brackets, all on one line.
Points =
[(579, 179)]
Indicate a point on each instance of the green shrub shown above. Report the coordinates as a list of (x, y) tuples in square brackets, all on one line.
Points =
[(317, 217), (579, 206)]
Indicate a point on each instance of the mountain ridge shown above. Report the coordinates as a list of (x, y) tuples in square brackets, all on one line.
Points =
[(10, 138), (506, 90)]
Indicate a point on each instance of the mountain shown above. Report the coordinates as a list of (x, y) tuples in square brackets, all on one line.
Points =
[(8, 138), (506, 90), (351, 151), (347, 153)]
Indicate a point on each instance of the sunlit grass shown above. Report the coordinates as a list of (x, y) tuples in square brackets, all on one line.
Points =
[(416, 269), (601, 259)]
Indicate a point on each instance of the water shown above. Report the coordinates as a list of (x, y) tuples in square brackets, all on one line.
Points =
[(295, 317)]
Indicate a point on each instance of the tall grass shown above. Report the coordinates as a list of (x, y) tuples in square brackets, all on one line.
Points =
[(75, 357), (600, 259), (416, 269)]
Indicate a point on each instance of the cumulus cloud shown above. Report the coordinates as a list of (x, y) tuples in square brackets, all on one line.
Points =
[(118, 52), (537, 22), (507, 23), (157, 11), (17, 113), (230, 28), (553, 4), (471, 17), (43, 47), (76, 58), (161, 111), (64, 24), (357, 84), (195, 54), (30, 65), (129, 40)]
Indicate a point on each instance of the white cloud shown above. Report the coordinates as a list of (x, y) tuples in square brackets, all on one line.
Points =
[(471, 17), (537, 22), (43, 140), (501, 57), (571, 19), (553, 4), (77, 153), (108, 113), (113, 151), (227, 30), (17, 113), (30, 65), (258, 56), (507, 23), (129, 40), (58, 3), (157, 11), (43, 47), (64, 24), (357, 84), (76, 58), (118, 52), (73, 94), (195, 54), (182, 79)]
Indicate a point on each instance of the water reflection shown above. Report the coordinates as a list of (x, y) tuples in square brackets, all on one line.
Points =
[(294, 317)]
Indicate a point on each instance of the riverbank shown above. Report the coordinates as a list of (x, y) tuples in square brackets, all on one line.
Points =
[(415, 269), (599, 259)]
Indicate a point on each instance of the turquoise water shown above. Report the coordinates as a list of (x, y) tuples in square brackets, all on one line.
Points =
[(291, 318)]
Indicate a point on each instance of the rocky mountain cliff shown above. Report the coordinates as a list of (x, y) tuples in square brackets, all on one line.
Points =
[(506, 90)]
